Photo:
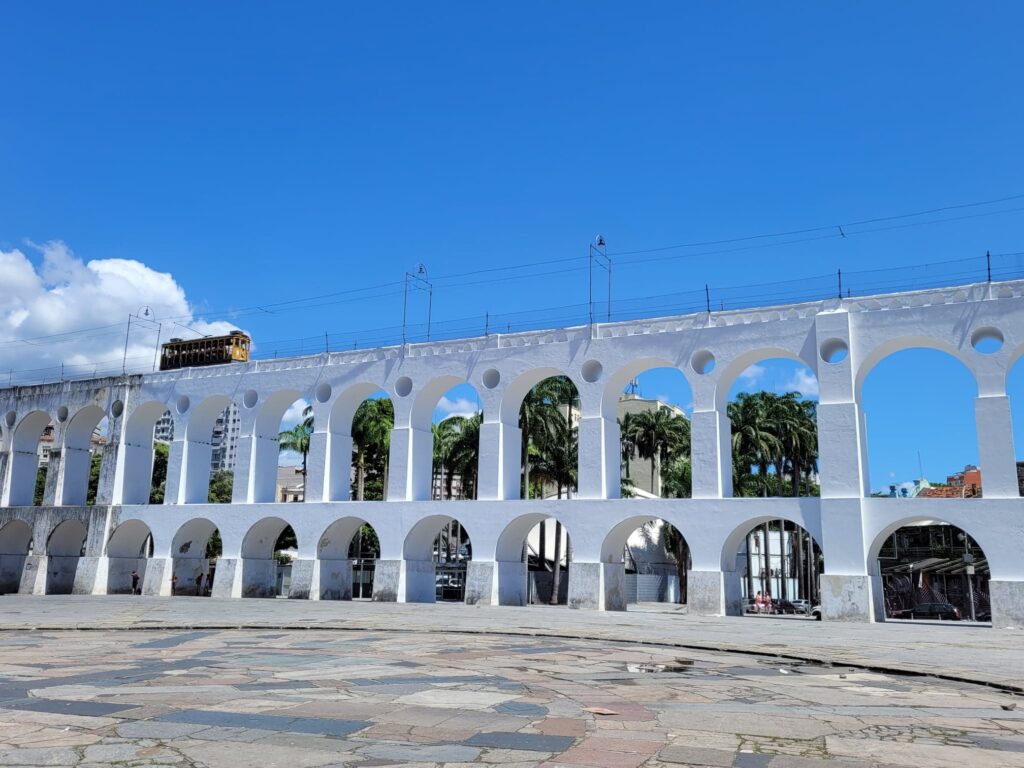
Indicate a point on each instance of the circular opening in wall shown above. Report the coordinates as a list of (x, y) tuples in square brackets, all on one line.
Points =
[(323, 392), (62, 413), (250, 398), (183, 404), (591, 371), (10, 418), (491, 378), (116, 409), (987, 340), (834, 351), (403, 386), (703, 362)]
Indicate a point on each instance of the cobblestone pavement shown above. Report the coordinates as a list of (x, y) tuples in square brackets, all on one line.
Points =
[(956, 650), (374, 696), (268, 698)]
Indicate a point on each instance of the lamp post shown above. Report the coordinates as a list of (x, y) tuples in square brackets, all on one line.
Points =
[(422, 282), (599, 252), (968, 571)]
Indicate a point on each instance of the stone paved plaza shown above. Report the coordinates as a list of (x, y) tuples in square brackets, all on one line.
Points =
[(307, 684)]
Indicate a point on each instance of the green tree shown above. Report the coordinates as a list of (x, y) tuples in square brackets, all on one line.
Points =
[(777, 432), (677, 477), (658, 435), (297, 439), (95, 464), (37, 497), (158, 487), (465, 454), (754, 444), (371, 443), (539, 416), (221, 483), (446, 435)]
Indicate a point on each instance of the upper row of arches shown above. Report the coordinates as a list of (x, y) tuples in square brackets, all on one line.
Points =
[(265, 412)]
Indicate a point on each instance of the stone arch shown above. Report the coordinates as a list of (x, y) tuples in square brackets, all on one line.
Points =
[(199, 447), (766, 473), (24, 461), (64, 547), (732, 370), (266, 443), (619, 380), (810, 557), (76, 455), (668, 583), (885, 586), (736, 536), (888, 348), (259, 567), (619, 409), (338, 568), (980, 533), (339, 438), (15, 545), (422, 559), (880, 414), (513, 395), (428, 483), (513, 554), (190, 546), (139, 450), (128, 548)]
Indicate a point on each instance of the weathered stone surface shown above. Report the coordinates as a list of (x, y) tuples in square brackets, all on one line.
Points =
[(1007, 599), (585, 588), (845, 598), (386, 577), (704, 593), (479, 582)]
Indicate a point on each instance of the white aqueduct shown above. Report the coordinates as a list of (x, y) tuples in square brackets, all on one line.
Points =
[(90, 547)]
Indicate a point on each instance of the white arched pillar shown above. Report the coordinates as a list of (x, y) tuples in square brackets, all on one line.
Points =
[(23, 463), (599, 452), (842, 456)]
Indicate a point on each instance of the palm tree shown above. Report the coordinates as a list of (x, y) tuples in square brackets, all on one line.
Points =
[(754, 444), (626, 444), (446, 435), (371, 437), (464, 457), (538, 415), (659, 434), (297, 438)]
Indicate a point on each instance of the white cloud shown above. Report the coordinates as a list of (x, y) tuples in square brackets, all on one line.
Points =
[(802, 381), (460, 406), (751, 376), (293, 415), (65, 295)]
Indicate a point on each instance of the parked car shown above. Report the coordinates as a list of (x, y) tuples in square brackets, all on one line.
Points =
[(803, 607), (940, 611), (816, 612), (785, 607)]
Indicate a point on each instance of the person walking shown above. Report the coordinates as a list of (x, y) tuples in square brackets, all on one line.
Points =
[(174, 583), (199, 584), (135, 582)]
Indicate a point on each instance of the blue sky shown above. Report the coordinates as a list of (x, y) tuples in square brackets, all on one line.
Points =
[(261, 154)]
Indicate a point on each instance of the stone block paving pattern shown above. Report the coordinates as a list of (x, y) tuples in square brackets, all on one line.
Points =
[(268, 699)]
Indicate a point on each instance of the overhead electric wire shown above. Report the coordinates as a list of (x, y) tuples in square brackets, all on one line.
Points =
[(820, 228)]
